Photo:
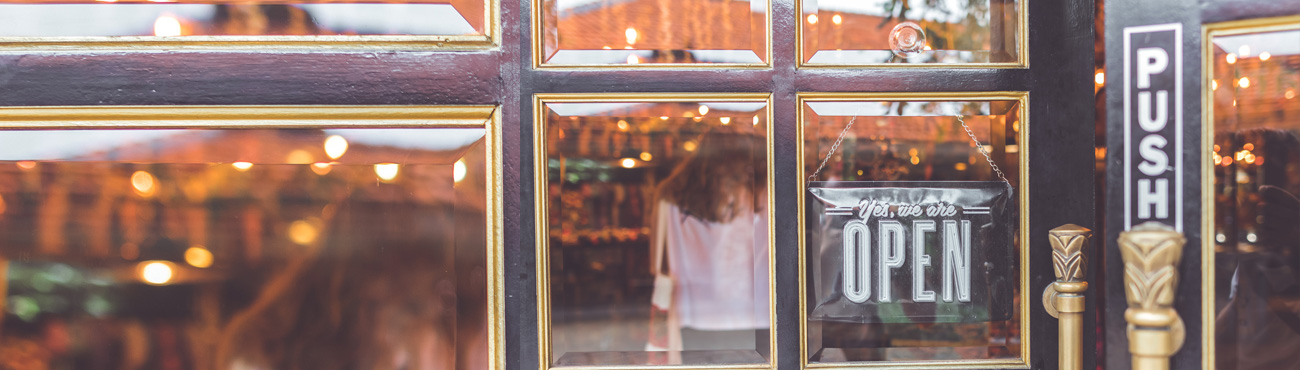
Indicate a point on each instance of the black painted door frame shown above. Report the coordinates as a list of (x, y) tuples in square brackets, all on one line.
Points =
[(1191, 15), (1059, 82)]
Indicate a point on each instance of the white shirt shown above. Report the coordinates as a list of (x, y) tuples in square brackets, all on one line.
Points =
[(720, 269)]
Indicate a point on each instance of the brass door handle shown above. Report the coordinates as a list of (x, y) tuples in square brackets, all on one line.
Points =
[(1064, 298), (1151, 252)]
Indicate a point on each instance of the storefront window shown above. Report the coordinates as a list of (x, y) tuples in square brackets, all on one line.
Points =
[(1256, 173), (583, 32), (858, 32), (656, 230), (912, 228), (245, 248), (192, 21)]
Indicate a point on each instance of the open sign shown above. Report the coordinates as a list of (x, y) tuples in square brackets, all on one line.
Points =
[(935, 251)]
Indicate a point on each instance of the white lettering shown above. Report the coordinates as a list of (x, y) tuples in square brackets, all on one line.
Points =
[(1150, 61), (1149, 197), (857, 261), (1154, 159), (956, 261), (1149, 123), (891, 256), (892, 243), (920, 260)]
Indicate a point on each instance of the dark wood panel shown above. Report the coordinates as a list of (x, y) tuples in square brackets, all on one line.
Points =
[(149, 78)]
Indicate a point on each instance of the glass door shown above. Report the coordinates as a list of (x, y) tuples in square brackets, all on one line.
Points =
[(1201, 184), (795, 184)]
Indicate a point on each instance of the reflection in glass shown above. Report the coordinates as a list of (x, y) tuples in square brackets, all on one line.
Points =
[(1256, 166), (915, 141), (243, 249), (657, 233), (872, 31), (202, 18), (593, 32)]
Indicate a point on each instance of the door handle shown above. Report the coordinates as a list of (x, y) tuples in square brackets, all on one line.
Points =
[(1064, 298), (1151, 252)]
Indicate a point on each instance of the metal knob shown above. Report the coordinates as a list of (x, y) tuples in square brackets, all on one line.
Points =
[(1064, 298), (1151, 253)]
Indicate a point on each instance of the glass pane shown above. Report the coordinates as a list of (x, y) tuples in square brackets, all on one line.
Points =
[(687, 180), (593, 32), (214, 18), (253, 249), (1256, 209), (911, 236), (910, 31)]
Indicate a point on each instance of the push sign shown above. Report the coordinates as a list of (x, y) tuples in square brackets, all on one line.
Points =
[(1153, 125), (910, 251)]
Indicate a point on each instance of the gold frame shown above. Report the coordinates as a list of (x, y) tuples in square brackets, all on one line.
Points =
[(540, 63), (491, 38), (312, 116), (1022, 98), (1022, 48), (1209, 31), (540, 216)]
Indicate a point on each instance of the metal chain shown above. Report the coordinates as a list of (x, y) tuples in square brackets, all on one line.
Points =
[(973, 139), (834, 147), (985, 152)]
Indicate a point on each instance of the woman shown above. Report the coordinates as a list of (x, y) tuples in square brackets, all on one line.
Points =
[(710, 247)]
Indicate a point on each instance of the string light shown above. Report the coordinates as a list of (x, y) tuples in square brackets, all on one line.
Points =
[(321, 168), (198, 256), (144, 183), (303, 232), (812, 19), (167, 26), (155, 272), (335, 146), (386, 171)]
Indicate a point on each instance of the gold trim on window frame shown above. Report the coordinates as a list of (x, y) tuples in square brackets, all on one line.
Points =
[(1023, 198), (486, 117), (540, 183), (490, 39), (1022, 48), (539, 51), (1208, 32)]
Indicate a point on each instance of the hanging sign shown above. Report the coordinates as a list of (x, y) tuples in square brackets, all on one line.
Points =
[(910, 251), (1153, 125)]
